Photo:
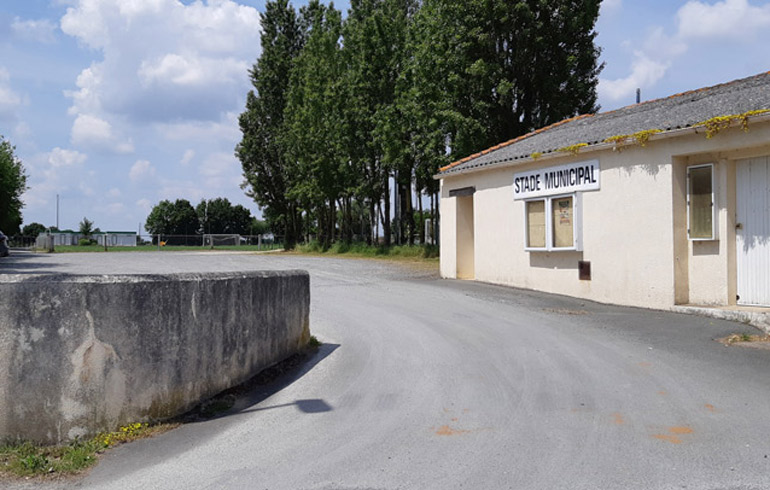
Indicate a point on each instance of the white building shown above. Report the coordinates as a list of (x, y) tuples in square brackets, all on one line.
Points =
[(658, 204), (111, 238), (116, 238)]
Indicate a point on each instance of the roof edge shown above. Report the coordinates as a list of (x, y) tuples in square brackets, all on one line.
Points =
[(512, 141), (602, 146), (582, 116)]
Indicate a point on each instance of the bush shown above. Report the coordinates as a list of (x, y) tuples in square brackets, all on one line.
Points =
[(84, 242)]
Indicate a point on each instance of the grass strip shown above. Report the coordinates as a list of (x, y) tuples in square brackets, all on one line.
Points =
[(26, 459), (362, 250)]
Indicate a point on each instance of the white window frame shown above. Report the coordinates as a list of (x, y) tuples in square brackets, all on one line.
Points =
[(714, 227), (577, 223)]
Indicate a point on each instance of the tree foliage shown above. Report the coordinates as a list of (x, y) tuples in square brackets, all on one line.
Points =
[(266, 173), (13, 183), (33, 229), (218, 216), (177, 218), (349, 117), (86, 228)]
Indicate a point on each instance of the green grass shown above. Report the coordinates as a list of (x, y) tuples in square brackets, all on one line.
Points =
[(167, 248), (25, 459), (313, 343), (362, 250)]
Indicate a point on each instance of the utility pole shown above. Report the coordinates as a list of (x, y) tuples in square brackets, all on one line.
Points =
[(57, 212)]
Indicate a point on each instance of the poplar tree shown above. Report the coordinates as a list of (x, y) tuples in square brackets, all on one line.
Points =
[(374, 47), (314, 119), (490, 70), (265, 170)]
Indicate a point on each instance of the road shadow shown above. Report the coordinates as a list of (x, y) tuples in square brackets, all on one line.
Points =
[(242, 399), (25, 263)]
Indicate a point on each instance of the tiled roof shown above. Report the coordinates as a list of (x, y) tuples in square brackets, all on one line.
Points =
[(675, 112)]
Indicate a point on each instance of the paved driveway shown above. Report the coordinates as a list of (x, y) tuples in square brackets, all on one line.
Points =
[(431, 384)]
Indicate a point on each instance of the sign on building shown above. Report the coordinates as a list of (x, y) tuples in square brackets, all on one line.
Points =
[(561, 179)]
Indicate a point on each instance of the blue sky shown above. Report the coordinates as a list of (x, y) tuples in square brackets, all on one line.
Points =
[(118, 104)]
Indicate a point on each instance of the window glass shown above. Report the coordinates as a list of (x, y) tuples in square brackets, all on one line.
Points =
[(562, 222), (536, 224), (701, 209)]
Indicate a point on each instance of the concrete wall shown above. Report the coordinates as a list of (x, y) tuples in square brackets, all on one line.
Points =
[(634, 227), (82, 354)]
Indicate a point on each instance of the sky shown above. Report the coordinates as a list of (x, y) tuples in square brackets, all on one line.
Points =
[(115, 105)]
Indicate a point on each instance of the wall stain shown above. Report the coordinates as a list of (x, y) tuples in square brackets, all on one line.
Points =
[(617, 419)]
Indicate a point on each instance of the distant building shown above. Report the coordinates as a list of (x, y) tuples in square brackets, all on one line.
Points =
[(116, 238), (658, 204), (111, 238)]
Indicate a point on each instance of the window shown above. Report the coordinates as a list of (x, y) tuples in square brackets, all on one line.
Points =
[(700, 203), (552, 223), (536, 224)]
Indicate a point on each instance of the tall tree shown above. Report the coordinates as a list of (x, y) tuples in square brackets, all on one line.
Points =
[(374, 48), (13, 183), (260, 152), (314, 119), (490, 70)]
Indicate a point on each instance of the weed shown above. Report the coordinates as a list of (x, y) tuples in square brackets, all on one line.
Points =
[(25, 459), (313, 343)]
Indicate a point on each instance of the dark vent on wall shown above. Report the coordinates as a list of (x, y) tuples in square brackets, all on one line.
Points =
[(584, 270)]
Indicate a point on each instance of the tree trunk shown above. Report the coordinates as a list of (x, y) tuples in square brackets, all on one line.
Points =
[(386, 219), (421, 231), (374, 229), (409, 213)]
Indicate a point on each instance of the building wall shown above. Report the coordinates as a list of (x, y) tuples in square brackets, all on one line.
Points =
[(634, 228)]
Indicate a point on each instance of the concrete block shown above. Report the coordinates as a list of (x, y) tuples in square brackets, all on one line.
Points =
[(83, 354)]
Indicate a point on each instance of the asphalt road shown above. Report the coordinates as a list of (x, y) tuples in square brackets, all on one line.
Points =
[(425, 383)]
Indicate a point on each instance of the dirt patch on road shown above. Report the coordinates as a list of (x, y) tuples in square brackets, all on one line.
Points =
[(746, 340)]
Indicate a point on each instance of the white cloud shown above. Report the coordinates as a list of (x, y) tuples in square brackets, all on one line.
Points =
[(144, 204), (725, 19), (59, 157), (221, 171), (9, 100), (34, 30), (141, 170), (59, 171), (187, 157), (116, 208), (88, 129), (225, 129), (93, 132), (163, 60), (644, 73), (114, 193)]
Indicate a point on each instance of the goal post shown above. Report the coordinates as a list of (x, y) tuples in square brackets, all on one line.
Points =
[(221, 240)]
